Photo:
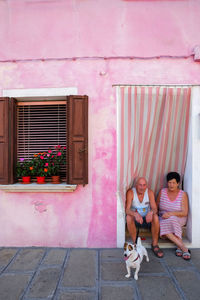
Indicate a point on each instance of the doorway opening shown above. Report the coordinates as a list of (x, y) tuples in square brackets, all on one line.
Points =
[(156, 123)]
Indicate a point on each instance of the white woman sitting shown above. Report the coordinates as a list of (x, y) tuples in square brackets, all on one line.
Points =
[(173, 210)]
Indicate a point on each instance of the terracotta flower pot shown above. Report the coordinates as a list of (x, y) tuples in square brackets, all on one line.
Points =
[(40, 179), (26, 179), (55, 179)]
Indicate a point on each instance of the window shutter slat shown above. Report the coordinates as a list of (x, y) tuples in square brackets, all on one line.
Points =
[(77, 139)]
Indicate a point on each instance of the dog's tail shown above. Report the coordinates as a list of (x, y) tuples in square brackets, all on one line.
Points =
[(139, 243)]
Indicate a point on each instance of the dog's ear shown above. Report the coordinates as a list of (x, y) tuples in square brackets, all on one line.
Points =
[(130, 247), (125, 246)]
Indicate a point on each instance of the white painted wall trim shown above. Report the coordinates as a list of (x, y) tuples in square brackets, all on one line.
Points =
[(192, 173), (120, 206), (41, 92)]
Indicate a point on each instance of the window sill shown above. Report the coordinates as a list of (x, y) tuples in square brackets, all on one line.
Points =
[(34, 187)]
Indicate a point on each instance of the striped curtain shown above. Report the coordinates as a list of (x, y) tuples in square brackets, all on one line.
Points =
[(152, 134)]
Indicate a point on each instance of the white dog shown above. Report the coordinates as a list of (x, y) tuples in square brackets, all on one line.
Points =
[(133, 254)]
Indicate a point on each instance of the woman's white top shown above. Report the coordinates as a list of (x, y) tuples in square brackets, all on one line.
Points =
[(141, 207)]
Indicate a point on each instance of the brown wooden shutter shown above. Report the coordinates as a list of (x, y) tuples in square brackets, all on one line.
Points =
[(77, 139), (13, 139), (7, 140), (4, 144)]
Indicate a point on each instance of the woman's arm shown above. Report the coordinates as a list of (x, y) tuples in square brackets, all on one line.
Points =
[(184, 209), (158, 200)]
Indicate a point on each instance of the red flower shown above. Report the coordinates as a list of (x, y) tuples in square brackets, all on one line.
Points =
[(59, 153), (42, 157), (49, 151), (46, 164)]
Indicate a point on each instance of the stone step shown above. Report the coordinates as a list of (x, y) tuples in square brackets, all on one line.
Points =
[(145, 235)]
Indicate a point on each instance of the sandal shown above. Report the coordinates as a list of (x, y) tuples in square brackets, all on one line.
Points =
[(186, 255), (156, 250), (178, 252)]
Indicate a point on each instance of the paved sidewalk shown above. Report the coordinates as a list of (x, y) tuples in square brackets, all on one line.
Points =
[(91, 274)]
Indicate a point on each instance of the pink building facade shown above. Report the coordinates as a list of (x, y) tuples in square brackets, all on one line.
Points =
[(86, 48)]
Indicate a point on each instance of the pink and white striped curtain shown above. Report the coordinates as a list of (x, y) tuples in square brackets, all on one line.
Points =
[(153, 133)]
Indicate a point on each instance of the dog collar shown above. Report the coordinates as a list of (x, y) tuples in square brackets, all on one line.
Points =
[(137, 257)]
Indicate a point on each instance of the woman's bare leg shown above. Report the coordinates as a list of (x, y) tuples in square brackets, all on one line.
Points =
[(177, 241)]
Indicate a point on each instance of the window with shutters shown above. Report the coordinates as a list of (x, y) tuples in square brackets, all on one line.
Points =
[(40, 126), (31, 127)]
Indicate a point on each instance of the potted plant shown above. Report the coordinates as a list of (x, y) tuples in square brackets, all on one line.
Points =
[(56, 158), (24, 170), (40, 166)]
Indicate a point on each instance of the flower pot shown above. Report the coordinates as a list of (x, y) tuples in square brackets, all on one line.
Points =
[(26, 179), (40, 179), (55, 179)]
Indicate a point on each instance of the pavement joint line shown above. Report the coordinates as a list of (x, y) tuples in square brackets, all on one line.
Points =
[(17, 272), (46, 250), (79, 289), (98, 284), (12, 260), (118, 283), (153, 274), (38, 298), (137, 294), (174, 280), (64, 264), (100, 273), (44, 267)]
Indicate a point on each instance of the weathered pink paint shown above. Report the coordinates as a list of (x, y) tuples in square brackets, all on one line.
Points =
[(37, 31)]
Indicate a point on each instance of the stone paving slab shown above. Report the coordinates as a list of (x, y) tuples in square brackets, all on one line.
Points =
[(27, 259), (55, 257), (113, 271), (117, 293), (157, 288), (5, 256), (195, 260), (77, 296), (190, 283), (44, 283), (80, 269), (112, 254), (12, 286)]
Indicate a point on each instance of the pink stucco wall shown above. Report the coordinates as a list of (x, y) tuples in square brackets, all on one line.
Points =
[(31, 32)]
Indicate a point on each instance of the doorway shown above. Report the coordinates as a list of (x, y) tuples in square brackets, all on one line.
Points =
[(168, 103)]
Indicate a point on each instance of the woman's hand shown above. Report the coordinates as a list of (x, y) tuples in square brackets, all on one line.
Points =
[(167, 215)]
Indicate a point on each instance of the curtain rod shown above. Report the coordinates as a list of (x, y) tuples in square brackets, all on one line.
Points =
[(185, 84)]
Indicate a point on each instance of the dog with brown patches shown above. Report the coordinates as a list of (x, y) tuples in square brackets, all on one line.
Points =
[(133, 255)]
